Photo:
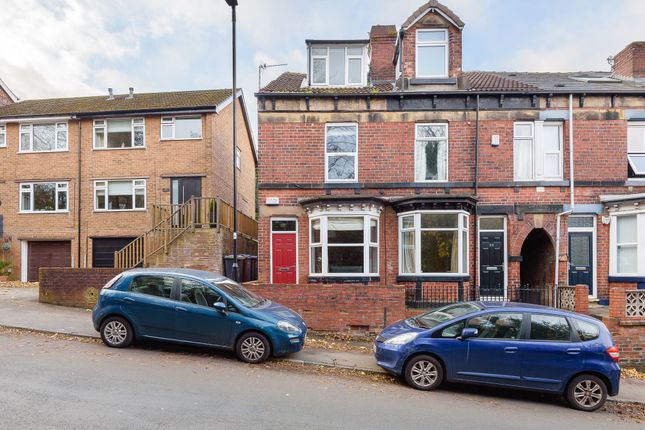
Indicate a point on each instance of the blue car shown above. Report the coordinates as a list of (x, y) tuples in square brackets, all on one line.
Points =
[(511, 345), (195, 308)]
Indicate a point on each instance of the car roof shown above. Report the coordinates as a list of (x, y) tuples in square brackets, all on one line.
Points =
[(201, 274), (530, 307)]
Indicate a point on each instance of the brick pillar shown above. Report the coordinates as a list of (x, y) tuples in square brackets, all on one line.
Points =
[(617, 302), (582, 299)]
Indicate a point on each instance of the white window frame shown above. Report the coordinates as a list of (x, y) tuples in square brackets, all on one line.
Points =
[(28, 187), (418, 139), (537, 150), (338, 154), (102, 123), (504, 232), (641, 127), (3, 135), (362, 57), (445, 43), (463, 220), (238, 158), (137, 184), (28, 128), (639, 243), (324, 245), (171, 120), (592, 230), (271, 245)]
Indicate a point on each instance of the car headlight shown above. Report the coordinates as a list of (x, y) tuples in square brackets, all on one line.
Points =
[(402, 339), (286, 326)]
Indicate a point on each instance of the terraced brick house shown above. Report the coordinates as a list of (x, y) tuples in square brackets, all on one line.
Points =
[(123, 180), (386, 164)]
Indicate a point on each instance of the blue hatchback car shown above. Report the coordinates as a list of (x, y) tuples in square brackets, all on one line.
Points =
[(512, 345), (196, 308)]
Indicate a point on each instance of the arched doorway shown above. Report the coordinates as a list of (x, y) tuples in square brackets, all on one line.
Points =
[(537, 268)]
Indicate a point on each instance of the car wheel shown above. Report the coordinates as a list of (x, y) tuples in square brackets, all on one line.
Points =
[(423, 372), (116, 332), (586, 393), (253, 348)]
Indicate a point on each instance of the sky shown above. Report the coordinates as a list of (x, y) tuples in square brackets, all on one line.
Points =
[(65, 48)]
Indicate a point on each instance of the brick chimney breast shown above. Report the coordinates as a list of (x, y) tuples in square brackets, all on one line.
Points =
[(629, 64), (382, 46)]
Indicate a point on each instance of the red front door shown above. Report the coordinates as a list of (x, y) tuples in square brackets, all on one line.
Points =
[(283, 246)]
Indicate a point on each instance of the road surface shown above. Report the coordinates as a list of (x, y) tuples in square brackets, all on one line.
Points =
[(68, 384)]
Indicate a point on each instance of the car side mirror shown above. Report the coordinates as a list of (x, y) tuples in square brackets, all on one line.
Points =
[(220, 306), (468, 332)]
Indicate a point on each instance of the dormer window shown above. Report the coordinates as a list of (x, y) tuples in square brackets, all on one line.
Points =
[(337, 65), (432, 53)]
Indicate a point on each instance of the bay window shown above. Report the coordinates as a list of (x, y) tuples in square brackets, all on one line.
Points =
[(537, 151), (636, 149), (433, 243), (44, 197), (341, 152), (432, 54), (343, 245), (43, 137), (338, 65), (628, 244), (119, 133), (189, 127), (431, 152), (120, 195)]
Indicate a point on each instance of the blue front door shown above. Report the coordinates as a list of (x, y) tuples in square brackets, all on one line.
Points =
[(495, 354), (148, 303), (550, 356), (196, 320), (581, 259)]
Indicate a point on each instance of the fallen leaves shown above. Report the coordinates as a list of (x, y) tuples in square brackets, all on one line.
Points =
[(18, 284), (632, 374)]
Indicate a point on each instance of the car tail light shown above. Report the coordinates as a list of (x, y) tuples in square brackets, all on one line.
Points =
[(614, 353)]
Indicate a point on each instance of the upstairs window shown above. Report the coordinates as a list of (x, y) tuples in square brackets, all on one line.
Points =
[(121, 195), (181, 128), (238, 158), (537, 151), (338, 65), (119, 133), (432, 54), (431, 152), (341, 152), (43, 137), (3, 135), (636, 149), (44, 197)]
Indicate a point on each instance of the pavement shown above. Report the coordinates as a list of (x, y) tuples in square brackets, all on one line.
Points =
[(20, 308)]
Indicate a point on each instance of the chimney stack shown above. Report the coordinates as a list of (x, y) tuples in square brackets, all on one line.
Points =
[(629, 64), (131, 96), (110, 94), (382, 45)]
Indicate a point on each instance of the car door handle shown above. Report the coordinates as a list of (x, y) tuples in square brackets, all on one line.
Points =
[(573, 351), (128, 299), (180, 309), (510, 349)]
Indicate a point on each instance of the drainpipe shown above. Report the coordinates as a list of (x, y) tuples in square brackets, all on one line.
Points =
[(571, 191), (475, 230), (78, 203)]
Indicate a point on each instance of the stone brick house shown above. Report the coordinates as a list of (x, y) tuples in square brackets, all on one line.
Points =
[(387, 164), (82, 177)]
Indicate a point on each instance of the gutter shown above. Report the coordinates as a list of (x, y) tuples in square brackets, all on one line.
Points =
[(573, 201)]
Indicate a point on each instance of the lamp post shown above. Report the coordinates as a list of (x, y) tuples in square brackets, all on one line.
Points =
[(236, 269)]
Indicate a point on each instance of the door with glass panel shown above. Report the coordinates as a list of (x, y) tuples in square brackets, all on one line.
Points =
[(181, 190), (492, 257), (581, 255), (284, 251)]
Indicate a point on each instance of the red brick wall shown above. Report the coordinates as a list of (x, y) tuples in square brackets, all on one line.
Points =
[(73, 287), (339, 307), (628, 332), (382, 44), (630, 62), (4, 98)]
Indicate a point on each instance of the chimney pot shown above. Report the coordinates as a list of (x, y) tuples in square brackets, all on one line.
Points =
[(110, 94), (131, 96)]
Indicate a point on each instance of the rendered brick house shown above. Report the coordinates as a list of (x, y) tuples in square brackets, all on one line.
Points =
[(387, 164), (72, 196)]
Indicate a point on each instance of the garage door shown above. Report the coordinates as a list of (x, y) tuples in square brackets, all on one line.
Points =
[(103, 250), (48, 254)]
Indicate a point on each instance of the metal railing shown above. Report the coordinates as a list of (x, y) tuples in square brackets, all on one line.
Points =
[(171, 221), (433, 296)]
